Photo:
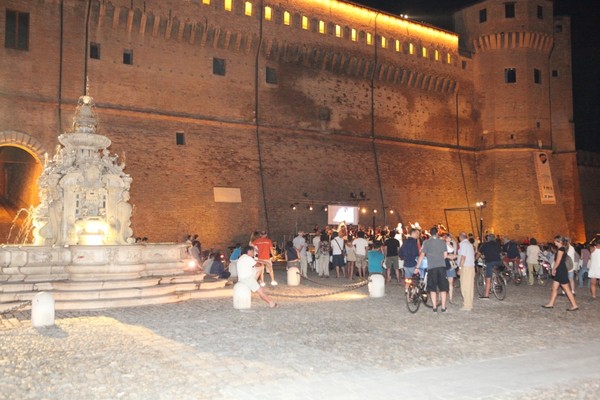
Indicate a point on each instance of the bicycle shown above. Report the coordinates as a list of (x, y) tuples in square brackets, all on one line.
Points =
[(416, 293), (542, 275), (498, 282), (514, 270)]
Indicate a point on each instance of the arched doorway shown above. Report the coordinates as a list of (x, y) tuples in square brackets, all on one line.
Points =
[(20, 168)]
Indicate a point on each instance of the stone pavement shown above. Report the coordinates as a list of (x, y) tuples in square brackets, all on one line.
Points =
[(343, 346)]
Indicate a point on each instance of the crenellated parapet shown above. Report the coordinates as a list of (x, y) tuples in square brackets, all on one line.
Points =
[(539, 41), (346, 40)]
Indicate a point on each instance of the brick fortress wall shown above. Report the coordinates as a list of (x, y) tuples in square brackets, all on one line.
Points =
[(342, 116)]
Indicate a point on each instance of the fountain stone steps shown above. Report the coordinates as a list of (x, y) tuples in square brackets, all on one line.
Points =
[(76, 297), (175, 297)]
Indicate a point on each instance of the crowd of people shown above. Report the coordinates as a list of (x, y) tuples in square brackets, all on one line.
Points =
[(353, 252)]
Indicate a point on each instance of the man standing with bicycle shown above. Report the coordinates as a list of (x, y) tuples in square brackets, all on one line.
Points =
[(491, 251), (436, 251)]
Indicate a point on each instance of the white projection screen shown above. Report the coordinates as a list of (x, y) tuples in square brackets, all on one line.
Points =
[(338, 213)]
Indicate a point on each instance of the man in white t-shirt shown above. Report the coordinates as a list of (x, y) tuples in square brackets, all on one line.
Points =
[(248, 274), (361, 247)]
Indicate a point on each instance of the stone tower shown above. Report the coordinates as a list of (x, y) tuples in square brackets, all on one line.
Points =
[(521, 66)]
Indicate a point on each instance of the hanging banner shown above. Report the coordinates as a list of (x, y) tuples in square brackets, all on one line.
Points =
[(544, 177)]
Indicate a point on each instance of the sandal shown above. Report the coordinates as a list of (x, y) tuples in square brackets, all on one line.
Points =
[(573, 309), (545, 306)]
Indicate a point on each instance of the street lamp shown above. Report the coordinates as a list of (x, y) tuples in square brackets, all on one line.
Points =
[(480, 205)]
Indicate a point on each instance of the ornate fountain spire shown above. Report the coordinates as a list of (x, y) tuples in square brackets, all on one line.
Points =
[(84, 193), (85, 119)]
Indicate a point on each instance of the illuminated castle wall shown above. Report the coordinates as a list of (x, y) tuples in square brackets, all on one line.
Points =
[(303, 102)]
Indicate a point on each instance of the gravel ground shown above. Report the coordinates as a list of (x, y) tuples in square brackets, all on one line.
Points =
[(311, 347)]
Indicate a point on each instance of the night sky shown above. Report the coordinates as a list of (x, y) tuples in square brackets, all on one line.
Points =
[(585, 29)]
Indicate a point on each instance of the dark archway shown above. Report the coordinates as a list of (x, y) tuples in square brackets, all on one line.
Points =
[(19, 173)]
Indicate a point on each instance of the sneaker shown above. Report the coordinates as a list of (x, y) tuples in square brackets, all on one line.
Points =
[(444, 310), (273, 283), (262, 284)]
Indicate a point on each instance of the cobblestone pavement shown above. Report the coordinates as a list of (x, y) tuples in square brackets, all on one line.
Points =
[(343, 346)]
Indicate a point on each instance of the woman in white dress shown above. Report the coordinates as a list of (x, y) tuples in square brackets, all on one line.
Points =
[(594, 268)]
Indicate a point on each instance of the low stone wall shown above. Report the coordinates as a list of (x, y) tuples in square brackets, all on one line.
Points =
[(91, 263)]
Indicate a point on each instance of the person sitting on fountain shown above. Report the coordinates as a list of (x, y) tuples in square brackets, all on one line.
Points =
[(218, 268), (248, 272)]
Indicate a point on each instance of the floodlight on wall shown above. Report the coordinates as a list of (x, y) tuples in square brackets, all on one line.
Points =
[(293, 207), (374, 211), (363, 210), (325, 208), (363, 195), (309, 208), (353, 195)]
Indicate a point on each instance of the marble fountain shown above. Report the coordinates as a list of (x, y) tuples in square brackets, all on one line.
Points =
[(83, 251)]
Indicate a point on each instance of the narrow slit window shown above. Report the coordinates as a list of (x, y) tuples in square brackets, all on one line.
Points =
[(540, 12), (271, 76), (128, 57), (180, 138), (482, 15), (305, 25), (338, 31), (227, 5), (268, 13), (353, 35), (287, 18), (219, 66), (207, 2), (248, 8), (383, 42), (424, 52), (411, 49), (321, 26), (95, 51), (398, 47), (369, 38), (537, 76), (510, 75), (509, 10), (436, 55), (449, 58)]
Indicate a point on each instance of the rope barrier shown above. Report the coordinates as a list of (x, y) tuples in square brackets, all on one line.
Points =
[(340, 289), (16, 308)]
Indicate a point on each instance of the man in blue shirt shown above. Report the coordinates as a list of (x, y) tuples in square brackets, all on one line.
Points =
[(375, 259)]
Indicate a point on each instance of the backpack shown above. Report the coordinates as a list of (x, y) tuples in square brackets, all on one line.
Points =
[(569, 262)]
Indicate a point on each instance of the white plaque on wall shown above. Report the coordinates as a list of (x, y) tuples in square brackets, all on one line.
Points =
[(227, 195), (544, 177)]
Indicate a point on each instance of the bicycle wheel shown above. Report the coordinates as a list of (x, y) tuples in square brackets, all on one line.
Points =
[(499, 287), (480, 282), (413, 300), (517, 277), (426, 299), (543, 278)]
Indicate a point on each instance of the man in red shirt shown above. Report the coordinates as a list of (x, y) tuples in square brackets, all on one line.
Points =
[(265, 246)]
